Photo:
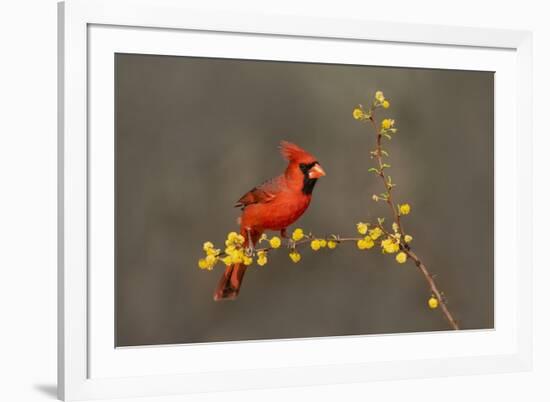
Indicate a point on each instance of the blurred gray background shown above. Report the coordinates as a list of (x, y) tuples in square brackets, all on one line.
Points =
[(194, 134)]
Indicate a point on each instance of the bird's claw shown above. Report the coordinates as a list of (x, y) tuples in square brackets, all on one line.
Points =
[(249, 251)]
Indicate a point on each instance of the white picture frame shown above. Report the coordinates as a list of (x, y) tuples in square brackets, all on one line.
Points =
[(89, 365)]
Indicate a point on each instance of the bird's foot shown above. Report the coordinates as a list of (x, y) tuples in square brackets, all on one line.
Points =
[(249, 250)]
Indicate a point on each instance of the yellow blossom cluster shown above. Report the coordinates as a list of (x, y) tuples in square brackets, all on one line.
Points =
[(380, 100), (234, 253), (389, 245), (211, 256), (234, 250), (375, 233), (365, 243), (360, 113)]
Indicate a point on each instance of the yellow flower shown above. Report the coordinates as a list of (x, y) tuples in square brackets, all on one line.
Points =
[(295, 256), (315, 244), (369, 241), (263, 237), (232, 236), (375, 233), (298, 234), (227, 260), (247, 260), (275, 242), (207, 246), (239, 239), (404, 209), (401, 258), (262, 258), (408, 238), (386, 104), (389, 245), (379, 95), (331, 244), (365, 243), (387, 123), (358, 114), (208, 262), (433, 303), (323, 243), (213, 251), (237, 256), (362, 228), (229, 250)]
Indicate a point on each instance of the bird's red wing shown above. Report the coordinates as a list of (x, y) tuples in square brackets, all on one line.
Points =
[(263, 193)]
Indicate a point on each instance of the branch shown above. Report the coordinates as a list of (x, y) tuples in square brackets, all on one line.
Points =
[(433, 287), (397, 219)]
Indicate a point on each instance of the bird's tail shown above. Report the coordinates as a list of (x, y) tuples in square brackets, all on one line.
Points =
[(230, 282), (232, 279)]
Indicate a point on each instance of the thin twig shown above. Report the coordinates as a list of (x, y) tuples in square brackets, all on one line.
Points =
[(397, 219), (433, 287)]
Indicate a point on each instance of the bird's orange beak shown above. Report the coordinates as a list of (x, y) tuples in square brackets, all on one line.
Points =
[(316, 171)]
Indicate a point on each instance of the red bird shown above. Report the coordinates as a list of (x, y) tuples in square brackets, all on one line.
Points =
[(273, 205)]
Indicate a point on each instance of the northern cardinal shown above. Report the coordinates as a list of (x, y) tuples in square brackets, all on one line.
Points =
[(273, 205)]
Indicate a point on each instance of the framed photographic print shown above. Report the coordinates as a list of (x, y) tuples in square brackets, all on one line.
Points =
[(252, 201)]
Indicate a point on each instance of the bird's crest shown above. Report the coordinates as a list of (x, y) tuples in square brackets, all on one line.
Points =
[(293, 153)]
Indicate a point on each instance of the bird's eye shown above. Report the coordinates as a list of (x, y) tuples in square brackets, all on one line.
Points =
[(305, 167)]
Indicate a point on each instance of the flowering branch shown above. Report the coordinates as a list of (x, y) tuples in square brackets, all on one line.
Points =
[(386, 130), (395, 241)]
